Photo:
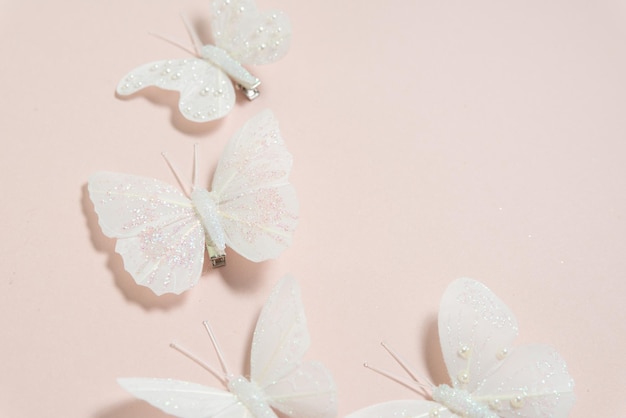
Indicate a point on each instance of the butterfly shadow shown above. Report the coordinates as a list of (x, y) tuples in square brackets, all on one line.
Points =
[(169, 99), (131, 409), (123, 280), (241, 274), (432, 355)]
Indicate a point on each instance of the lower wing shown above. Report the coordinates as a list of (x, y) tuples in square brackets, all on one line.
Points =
[(309, 391), (532, 381)]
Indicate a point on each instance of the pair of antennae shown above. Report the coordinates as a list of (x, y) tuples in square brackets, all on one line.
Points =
[(186, 187), (197, 43), (222, 377), (424, 386)]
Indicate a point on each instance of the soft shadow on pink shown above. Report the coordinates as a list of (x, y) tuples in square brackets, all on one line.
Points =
[(133, 408), (431, 354)]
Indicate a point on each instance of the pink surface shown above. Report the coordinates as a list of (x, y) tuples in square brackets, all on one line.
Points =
[(431, 140)]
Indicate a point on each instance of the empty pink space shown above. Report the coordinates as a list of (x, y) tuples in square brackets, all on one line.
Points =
[(431, 140)]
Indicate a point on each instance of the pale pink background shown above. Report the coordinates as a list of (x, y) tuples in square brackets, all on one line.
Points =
[(431, 140)]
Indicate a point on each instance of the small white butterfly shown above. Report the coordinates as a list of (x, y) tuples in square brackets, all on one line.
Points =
[(490, 378), (279, 379), (242, 35), (161, 232)]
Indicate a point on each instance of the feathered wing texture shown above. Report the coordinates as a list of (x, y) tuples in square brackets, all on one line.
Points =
[(475, 330), (403, 409), (184, 399), (280, 340), (532, 382), (206, 92), (307, 392), (249, 36), (257, 204), (281, 337), (158, 233)]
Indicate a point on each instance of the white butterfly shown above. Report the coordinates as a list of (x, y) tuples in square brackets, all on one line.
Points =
[(279, 379), (242, 35), (161, 232), (490, 378)]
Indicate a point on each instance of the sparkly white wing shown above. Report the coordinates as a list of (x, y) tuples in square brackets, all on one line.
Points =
[(206, 92), (404, 409), (257, 205), (309, 391), (532, 382), (249, 36), (476, 330), (280, 340), (158, 233), (184, 399)]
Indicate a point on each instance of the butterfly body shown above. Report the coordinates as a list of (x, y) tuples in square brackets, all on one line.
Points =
[(206, 205), (461, 402), (251, 396), (222, 59)]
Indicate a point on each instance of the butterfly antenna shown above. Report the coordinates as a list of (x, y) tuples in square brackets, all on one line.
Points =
[(423, 382), (195, 165), (202, 364), (401, 380), (197, 43), (216, 347), (174, 42), (181, 183)]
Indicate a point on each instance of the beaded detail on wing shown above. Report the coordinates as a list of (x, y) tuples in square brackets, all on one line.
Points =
[(250, 36), (206, 92)]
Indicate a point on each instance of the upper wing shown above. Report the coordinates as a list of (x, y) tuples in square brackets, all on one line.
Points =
[(532, 382), (184, 399), (249, 36), (257, 205), (158, 233), (281, 337), (309, 391), (279, 343), (404, 409), (206, 92), (475, 329)]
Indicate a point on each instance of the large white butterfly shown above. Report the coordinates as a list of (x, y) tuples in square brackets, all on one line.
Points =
[(279, 379), (489, 377), (242, 35), (161, 232)]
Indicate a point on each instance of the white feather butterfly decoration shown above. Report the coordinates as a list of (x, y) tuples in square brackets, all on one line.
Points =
[(490, 378), (242, 35), (279, 379), (161, 232)]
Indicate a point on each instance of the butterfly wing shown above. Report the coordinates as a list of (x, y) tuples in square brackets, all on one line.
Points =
[(249, 36), (308, 391), (475, 330), (206, 92), (404, 409), (279, 343), (258, 207), (532, 382), (184, 399), (158, 232)]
